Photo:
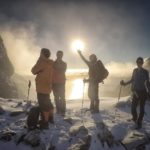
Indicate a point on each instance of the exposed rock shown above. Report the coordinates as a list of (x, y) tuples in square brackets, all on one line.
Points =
[(104, 135), (2, 111), (136, 140), (74, 130), (81, 139), (16, 113), (7, 87), (33, 138), (83, 144), (7, 135), (20, 137)]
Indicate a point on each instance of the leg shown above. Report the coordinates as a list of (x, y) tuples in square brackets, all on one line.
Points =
[(44, 104), (96, 97), (62, 98), (134, 107), (143, 96), (90, 95), (56, 97)]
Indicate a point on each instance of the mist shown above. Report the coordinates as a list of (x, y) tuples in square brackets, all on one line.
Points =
[(110, 30), (106, 29)]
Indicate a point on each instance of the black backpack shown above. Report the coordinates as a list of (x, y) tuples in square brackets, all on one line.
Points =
[(33, 117), (102, 72)]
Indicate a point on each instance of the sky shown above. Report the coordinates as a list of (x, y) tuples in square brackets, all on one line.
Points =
[(117, 31)]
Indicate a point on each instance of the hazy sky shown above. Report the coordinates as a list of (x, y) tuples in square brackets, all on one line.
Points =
[(115, 30)]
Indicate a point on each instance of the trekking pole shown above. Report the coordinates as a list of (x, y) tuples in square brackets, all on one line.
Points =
[(29, 86), (82, 101), (118, 100)]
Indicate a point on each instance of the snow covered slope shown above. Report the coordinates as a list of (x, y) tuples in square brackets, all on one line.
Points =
[(79, 130)]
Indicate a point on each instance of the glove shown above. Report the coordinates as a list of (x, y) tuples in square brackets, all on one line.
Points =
[(79, 51), (122, 83), (85, 80)]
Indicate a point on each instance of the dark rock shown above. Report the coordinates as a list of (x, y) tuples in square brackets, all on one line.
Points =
[(7, 135), (69, 120), (2, 111), (81, 139), (8, 88), (16, 113), (20, 137), (136, 140), (104, 135), (33, 138), (74, 130)]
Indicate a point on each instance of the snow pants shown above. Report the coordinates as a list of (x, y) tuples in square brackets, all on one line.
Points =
[(59, 97)]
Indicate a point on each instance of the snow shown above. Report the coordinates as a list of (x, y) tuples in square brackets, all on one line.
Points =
[(60, 135)]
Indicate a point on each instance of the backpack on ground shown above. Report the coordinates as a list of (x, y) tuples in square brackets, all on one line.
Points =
[(33, 117), (102, 72)]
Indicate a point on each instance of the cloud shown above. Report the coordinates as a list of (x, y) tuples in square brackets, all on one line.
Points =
[(117, 69), (21, 47)]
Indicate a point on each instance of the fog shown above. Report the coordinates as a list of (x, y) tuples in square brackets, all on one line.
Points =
[(108, 29)]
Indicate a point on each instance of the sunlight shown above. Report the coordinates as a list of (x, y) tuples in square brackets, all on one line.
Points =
[(77, 91), (77, 45)]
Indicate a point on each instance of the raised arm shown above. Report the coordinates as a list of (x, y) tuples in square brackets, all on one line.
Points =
[(83, 58)]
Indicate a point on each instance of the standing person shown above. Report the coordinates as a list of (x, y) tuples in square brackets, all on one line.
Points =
[(59, 80), (43, 70), (97, 73), (140, 76)]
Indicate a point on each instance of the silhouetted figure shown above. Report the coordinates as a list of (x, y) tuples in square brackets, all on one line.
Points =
[(139, 79), (95, 77), (43, 70), (59, 80)]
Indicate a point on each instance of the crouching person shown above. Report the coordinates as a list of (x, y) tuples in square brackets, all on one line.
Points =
[(43, 70)]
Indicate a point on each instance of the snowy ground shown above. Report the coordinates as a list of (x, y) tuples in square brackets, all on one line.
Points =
[(59, 136)]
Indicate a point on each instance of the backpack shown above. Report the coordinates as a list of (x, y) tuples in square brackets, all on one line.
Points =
[(33, 117), (102, 72)]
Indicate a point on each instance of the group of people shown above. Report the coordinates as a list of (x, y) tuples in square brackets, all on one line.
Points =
[(50, 76)]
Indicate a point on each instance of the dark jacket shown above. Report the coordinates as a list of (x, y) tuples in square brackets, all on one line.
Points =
[(139, 79), (59, 69)]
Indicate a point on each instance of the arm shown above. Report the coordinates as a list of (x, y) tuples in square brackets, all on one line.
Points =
[(37, 68), (128, 82), (83, 58)]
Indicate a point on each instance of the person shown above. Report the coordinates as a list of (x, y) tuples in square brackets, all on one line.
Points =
[(140, 77), (59, 80), (95, 66), (43, 70)]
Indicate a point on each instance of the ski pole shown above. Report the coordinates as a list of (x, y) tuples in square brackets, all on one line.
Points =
[(118, 99), (29, 86), (83, 94), (83, 101)]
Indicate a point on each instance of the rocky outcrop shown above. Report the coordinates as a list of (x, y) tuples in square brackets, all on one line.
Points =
[(7, 87)]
